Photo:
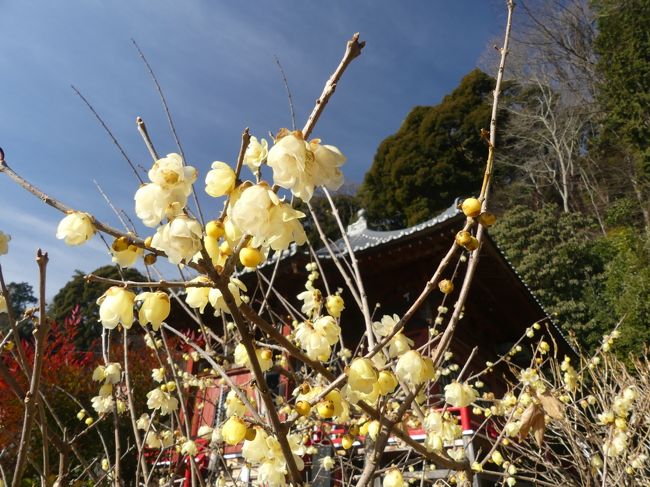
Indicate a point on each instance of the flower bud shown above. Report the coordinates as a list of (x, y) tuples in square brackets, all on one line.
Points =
[(335, 305), (325, 409), (214, 229), (471, 207), (120, 244), (233, 431), (446, 286), (463, 238), (250, 257), (472, 244), (303, 408), (487, 219), (347, 441)]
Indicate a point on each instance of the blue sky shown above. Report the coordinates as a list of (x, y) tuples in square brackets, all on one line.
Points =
[(215, 61)]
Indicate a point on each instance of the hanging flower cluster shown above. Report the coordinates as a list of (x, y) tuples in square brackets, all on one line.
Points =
[(166, 195), (300, 166)]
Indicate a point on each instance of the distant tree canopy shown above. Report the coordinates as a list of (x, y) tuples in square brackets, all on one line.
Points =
[(22, 297), (436, 156), (85, 294)]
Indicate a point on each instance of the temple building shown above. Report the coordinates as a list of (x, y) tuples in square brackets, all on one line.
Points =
[(395, 266)]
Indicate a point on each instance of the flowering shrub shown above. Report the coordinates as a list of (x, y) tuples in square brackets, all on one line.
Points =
[(271, 428)]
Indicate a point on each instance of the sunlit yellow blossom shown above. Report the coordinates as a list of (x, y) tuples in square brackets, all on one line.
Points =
[(220, 180), (387, 382), (158, 399), (272, 473), (155, 308), (235, 286), (75, 228), (362, 376), (143, 422), (301, 166), (496, 457), (189, 448), (393, 478), (116, 306), (327, 463), (154, 203), (615, 446), (411, 368), (373, 429), (113, 373), (254, 450), (242, 358), (152, 440), (460, 395), (256, 153), (312, 300), (169, 172), (233, 430), (398, 345), (197, 297), (180, 239), (385, 325), (234, 405), (317, 338)]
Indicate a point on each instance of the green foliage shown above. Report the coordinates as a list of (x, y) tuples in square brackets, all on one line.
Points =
[(85, 294), (623, 44), (588, 282), (435, 156), (22, 297), (553, 253), (626, 290)]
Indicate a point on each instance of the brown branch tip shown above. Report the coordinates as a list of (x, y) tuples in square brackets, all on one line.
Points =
[(354, 46)]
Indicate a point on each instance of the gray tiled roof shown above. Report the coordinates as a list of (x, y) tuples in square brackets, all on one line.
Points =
[(362, 238)]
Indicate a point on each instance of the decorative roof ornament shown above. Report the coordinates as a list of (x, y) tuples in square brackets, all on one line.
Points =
[(360, 225)]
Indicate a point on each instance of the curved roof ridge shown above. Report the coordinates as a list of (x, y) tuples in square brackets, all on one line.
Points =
[(361, 237)]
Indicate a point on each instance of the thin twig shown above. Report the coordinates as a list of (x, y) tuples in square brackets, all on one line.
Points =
[(109, 132), (170, 120), (289, 97), (352, 50)]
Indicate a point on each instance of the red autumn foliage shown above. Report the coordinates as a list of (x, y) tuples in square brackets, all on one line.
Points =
[(66, 374)]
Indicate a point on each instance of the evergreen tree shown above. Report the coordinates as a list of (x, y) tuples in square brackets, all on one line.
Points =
[(436, 156), (623, 44)]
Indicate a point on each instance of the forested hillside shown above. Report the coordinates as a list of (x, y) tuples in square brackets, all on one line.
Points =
[(573, 164)]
